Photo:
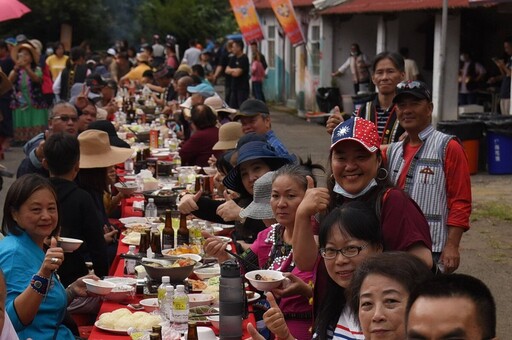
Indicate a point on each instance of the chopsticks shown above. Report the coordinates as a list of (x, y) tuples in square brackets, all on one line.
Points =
[(248, 265)]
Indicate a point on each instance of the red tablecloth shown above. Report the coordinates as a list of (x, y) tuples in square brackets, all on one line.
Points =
[(108, 306)]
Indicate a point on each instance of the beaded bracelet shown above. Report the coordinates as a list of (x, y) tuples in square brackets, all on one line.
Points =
[(39, 284)]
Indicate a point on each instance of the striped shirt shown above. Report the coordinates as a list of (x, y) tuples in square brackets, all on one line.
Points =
[(346, 328)]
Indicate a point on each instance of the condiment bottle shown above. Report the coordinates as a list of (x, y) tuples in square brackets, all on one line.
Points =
[(129, 264), (192, 331), (157, 330), (168, 232), (156, 245), (183, 233)]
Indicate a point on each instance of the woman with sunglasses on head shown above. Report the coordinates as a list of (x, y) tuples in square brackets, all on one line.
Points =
[(379, 292), (276, 197), (388, 71)]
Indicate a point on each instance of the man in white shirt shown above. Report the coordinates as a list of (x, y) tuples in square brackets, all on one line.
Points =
[(192, 54)]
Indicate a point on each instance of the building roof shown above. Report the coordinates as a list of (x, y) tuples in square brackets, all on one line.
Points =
[(365, 6), (262, 4)]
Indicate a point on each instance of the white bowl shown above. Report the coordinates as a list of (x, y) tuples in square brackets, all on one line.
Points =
[(121, 293), (99, 287), (214, 320), (150, 304), (69, 245), (195, 257), (205, 333), (126, 188), (195, 300), (209, 170), (276, 279), (206, 273)]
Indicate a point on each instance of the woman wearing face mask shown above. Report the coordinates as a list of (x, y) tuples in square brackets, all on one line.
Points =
[(379, 292), (253, 160), (357, 175)]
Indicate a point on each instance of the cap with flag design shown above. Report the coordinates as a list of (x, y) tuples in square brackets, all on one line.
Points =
[(357, 129)]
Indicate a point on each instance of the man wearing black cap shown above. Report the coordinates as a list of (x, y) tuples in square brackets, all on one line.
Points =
[(432, 168), (254, 116)]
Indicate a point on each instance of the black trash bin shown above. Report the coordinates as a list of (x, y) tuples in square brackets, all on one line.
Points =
[(470, 132), (327, 98), (499, 144)]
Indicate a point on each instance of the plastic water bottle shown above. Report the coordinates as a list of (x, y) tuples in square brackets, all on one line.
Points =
[(129, 264), (150, 210), (166, 309), (166, 281), (180, 309), (128, 166)]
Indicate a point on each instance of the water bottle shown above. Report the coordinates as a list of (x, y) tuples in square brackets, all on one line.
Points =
[(166, 281), (166, 308), (231, 301), (180, 310), (150, 210), (129, 264), (128, 166)]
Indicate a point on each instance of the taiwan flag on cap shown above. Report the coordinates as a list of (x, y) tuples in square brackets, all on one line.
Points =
[(358, 129)]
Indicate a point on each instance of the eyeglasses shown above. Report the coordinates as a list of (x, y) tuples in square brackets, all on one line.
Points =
[(350, 251), (66, 118), (409, 85)]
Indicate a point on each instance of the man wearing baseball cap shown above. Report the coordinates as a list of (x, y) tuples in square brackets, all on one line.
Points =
[(432, 168), (255, 117)]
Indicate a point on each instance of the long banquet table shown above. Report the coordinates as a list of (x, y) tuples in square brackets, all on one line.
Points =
[(109, 306)]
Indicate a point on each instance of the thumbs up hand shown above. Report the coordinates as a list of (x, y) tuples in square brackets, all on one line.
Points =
[(188, 203), (229, 210), (274, 319), (315, 200), (253, 332), (52, 260)]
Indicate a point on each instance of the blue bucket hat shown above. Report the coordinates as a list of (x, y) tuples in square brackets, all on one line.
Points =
[(251, 151)]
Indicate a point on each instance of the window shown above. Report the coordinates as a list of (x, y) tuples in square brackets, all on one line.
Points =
[(315, 50), (271, 38)]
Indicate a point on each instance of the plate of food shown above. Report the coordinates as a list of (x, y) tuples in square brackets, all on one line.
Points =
[(199, 314), (183, 249), (132, 239), (121, 319), (131, 220), (197, 285)]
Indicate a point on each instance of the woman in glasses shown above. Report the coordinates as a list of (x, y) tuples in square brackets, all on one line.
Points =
[(388, 71), (347, 236)]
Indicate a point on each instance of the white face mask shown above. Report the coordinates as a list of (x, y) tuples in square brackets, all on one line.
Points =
[(339, 190)]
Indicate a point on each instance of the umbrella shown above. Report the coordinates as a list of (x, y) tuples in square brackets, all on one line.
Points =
[(12, 9)]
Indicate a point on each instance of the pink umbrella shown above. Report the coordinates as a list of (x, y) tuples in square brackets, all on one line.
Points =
[(12, 9)]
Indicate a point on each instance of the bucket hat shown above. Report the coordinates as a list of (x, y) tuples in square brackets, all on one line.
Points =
[(96, 151), (30, 48), (218, 105), (229, 134), (260, 208), (251, 151)]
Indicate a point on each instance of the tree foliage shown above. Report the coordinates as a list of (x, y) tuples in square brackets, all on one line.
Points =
[(104, 21)]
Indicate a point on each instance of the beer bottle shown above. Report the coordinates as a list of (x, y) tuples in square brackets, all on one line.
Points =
[(154, 336), (183, 233), (156, 246), (157, 330), (168, 232), (192, 331)]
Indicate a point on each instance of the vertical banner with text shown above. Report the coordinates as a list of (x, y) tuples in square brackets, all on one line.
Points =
[(285, 13), (247, 19)]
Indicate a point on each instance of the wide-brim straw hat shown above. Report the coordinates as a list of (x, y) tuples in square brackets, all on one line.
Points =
[(96, 151), (260, 208), (5, 84), (32, 50), (229, 134)]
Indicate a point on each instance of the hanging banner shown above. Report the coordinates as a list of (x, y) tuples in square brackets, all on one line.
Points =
[(247, 19), (285, 14)]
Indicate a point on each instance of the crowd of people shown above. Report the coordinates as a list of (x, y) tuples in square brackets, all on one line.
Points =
[(369, 255)]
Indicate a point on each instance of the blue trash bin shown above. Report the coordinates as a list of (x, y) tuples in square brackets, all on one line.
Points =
[(499, 155)]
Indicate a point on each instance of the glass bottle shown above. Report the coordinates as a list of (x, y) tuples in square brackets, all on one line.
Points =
[(151, 210), (192, 331), (156, 242), (168, 231), (183, 232)]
